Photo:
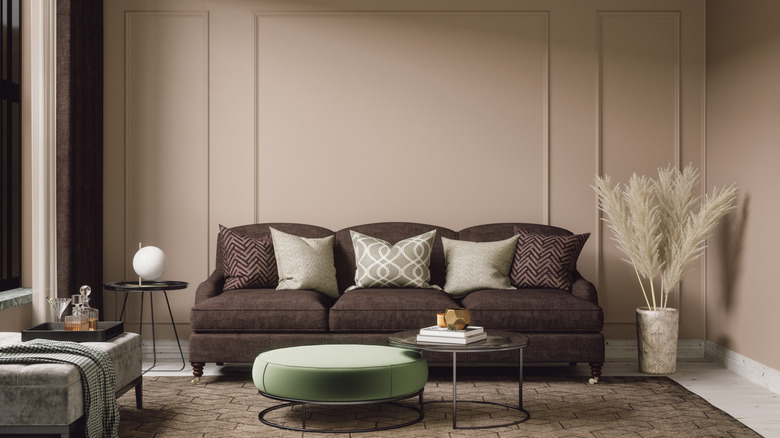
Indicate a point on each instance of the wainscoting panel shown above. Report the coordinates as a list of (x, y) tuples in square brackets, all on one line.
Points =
[(167, 146), (638, 122), (402, 116)]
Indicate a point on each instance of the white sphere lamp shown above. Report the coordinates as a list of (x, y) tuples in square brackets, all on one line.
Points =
[(149, 263)]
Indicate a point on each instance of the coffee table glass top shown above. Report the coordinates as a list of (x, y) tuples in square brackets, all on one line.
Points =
[(497, 340)]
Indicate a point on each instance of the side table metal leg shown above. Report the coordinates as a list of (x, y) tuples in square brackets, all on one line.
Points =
[(154, 337), (183, 363), (454, 390), (141, 321), (122, 315), (520, 380)]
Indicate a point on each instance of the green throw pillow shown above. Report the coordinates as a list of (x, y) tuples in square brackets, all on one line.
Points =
[(405, 264), (477, 265), (305, 263)]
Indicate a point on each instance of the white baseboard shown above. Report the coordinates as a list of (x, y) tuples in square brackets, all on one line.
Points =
[(688, 350), (697, 350), (740, 365), (167, 350)]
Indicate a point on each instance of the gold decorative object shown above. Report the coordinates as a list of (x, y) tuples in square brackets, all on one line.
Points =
[(457, 318), (440, 320)]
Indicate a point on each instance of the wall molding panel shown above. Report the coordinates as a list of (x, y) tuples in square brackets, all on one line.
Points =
[(631, 60), (342, 27), (166, 147)]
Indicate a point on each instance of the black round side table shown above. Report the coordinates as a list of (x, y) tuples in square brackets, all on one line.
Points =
[(150, 286)]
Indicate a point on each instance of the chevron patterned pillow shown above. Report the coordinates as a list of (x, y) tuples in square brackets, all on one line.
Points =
[(546, 261), (248, 263)]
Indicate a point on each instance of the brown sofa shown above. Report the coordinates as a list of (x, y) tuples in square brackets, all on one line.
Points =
[(236, 325)]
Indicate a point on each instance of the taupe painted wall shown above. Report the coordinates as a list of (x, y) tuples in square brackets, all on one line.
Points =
[(17, 318), (743, 137), (338, 113)]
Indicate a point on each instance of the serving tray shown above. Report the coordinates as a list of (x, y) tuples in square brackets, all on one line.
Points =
[(56, 332)]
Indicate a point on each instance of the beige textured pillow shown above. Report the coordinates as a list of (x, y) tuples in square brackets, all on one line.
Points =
[(477, 265), (305, 263)]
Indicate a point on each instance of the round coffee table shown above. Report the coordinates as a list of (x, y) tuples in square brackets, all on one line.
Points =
[(496, 341)]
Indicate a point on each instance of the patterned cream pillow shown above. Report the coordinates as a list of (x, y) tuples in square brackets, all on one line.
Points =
[(477, 265), (305, 263), (405, 264)]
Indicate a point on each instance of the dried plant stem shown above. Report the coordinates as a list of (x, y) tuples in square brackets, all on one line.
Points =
[(642, 285)]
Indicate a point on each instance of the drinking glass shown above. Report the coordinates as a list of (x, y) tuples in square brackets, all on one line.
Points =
[(59, 305)]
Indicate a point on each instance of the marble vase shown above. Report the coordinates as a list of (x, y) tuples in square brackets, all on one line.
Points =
[(656, 332)]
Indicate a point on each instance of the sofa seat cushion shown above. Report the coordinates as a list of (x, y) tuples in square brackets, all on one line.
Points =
[(262, 310), (533, 310), (388, 310)]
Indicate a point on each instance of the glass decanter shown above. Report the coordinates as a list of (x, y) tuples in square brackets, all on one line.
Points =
[(91, 313)]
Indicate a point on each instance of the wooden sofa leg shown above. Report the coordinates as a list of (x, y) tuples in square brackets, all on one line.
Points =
[(197, 371), (595, 372)]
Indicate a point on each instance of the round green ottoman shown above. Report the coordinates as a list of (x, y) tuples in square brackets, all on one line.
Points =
[(340, 374)]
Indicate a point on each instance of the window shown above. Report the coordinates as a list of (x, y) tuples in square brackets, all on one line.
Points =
[(11, 153)]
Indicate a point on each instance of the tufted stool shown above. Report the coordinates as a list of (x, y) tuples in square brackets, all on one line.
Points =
[(340, 375)]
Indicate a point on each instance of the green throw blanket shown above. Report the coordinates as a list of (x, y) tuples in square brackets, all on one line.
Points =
[(98, 378)]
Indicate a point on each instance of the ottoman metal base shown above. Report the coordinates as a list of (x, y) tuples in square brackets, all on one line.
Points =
[(303, 403)]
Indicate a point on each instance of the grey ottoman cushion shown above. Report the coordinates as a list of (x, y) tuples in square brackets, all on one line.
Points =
[(51, 394)]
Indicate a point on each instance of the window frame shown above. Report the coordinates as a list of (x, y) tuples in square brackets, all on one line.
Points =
[(10, 145)]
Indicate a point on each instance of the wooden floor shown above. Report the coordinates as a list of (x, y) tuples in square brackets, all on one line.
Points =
[(753, 405)]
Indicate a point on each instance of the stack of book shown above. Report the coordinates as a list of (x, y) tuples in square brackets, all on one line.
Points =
[(442, 335)]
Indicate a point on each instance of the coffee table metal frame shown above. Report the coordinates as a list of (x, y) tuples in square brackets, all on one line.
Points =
[(151, 286), (293, 402), (496, 341)]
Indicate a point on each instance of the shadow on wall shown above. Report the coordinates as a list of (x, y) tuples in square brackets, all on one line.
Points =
[(731, 240)]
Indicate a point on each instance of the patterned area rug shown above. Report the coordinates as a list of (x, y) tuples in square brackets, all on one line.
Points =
[(559, 407)]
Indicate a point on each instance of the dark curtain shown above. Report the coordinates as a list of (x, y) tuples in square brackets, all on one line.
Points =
[(80, 147)]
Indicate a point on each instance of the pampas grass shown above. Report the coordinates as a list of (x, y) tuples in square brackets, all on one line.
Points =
[(657, 225)]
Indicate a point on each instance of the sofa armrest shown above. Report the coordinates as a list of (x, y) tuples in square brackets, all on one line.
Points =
[(211, 287), (584, 289)]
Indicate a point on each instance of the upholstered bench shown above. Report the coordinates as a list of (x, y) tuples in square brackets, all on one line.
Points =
[(340, 374), (47, 398)]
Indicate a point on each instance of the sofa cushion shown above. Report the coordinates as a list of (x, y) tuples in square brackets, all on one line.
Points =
[(305, 263), (533, 311), (262, 310), (477, 265), (388, 310), (247, 263), (380, 264), (546, 261)]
